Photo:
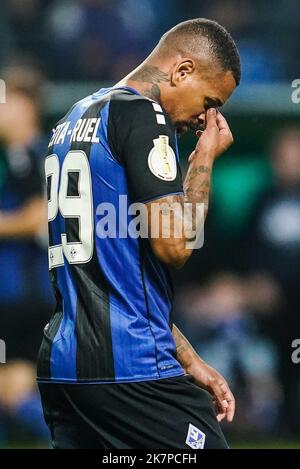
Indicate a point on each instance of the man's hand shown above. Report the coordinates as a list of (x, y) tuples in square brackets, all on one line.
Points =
[(215, 139), (208, 378), (205, 376)]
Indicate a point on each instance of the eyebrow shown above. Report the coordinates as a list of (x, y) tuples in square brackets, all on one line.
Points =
[(213, 102)]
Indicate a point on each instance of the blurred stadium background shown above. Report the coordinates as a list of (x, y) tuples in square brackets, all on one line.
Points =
[(238, 298)]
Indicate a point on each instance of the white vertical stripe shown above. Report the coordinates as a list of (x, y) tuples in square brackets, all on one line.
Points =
[(160, 119), (55, 256), (157, 107)]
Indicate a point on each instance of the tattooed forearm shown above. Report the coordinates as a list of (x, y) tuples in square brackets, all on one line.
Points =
[(200, 169), (196, 193), (197, 185), (184, 351), (193, 195), (176, 221)]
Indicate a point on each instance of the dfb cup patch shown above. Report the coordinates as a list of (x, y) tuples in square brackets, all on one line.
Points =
[(162, 159)]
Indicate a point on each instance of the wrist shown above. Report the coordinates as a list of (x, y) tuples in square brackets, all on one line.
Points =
[(204, 158), (187, 360), (194, 366)]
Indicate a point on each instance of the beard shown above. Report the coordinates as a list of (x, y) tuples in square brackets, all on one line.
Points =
[(189, 126)]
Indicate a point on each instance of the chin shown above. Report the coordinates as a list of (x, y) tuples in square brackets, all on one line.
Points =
[(182, 129)]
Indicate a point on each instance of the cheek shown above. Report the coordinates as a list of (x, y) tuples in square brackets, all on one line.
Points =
[(194, 102), (198, 104), (187, 103)]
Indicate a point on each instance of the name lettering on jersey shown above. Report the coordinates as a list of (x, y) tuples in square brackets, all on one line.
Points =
[(85, 130), (62, 134), (55, 134), (2, 351), (162, 159)]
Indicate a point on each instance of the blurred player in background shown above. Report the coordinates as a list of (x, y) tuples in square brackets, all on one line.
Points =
[(25, 291), (273, 245), (24, 288), (113, 369)]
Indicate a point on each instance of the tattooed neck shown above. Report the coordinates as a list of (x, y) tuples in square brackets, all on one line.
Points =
[(152, 75), (149, 74), (152, 93)]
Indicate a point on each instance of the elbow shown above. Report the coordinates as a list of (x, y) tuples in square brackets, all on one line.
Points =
[(177, 259), (178, 263), (174, 256)]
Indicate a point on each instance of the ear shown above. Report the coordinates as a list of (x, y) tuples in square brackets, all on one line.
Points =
[(182, 71)]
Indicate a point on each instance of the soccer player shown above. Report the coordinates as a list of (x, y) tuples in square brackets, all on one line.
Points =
[(113, 369)]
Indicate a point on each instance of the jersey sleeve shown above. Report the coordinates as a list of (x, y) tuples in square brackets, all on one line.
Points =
[(144, 140)]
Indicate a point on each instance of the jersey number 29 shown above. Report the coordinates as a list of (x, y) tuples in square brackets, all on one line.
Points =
[(78, 205)]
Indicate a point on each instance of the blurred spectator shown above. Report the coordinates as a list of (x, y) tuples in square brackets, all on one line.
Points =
[(25, 19), (274, 228), (273, 245), (220, 319), (102, 40), (7, 38), (25, 292), (252, 24), (21, 417)]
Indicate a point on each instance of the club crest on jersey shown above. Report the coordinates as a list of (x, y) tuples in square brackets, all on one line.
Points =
[(73, 252), (162, 159), (195, 437)]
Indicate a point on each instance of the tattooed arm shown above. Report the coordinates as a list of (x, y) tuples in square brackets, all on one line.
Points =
[(205, 376), (184, 351), (172, 249)]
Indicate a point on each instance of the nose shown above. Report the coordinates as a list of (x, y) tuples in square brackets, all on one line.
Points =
[(202, 120)]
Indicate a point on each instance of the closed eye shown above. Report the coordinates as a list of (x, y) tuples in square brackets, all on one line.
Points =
[(212, 102)]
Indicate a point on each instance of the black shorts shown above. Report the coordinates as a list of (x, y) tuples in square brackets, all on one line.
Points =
[(166, 413)]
